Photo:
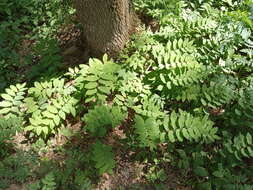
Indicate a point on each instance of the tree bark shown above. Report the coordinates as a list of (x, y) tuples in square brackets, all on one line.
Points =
[(107, 24)]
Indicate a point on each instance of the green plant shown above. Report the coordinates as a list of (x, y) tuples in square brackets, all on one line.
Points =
[(11, 105), (184, 126), (102, 118), (98, 79), (8, 128), (240, 146), (16, 168), (150, 107), (217, 94), (103, 157), (242, 111), (181, 96), (48, 182), (22, 23), (48, 52), (48, 104), (147, 131)]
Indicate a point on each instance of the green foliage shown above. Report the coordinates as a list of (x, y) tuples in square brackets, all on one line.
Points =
[(48, 105), (103, 157), (16, 168), (49, 52), (176, 67), (8, 128), (102, 118), (98, 79), (48, 182), (240, 146), (183, 126), (158, 8), (22, 22), (11, 105), (74, 172), (181, 95), (199, 60), (242, 111), (217, 94), (150, 106), (148, 132)]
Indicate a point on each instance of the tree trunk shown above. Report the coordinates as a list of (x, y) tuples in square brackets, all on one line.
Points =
[(107, 24)]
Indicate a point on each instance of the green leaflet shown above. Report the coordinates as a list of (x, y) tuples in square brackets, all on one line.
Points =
[(99, 79), (10, 106), (5, 104), (103, 157), (183, 126), (147, 131), (7, 97), (102, 118)]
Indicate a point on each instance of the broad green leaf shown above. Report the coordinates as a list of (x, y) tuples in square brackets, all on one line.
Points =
[(91, 78), (185, 133), (218, 174), (101, 97), (10, 92), (91, 92), (105, 58), (91, 85), (7, 97), (171, 136), (163, 78), (90, 99), (173, 119), (107, 76), (191, 133), (45, 130), (73, 111), (5, 110), (34, 121), (62, 114), (29, 128), (5, 104), (46, 121), (249, 138), (181, 121), (250, 151), (200, 171), (105, 82), (166, 123), (13, 88), (56, 120), (243, 152), (52, 109), (17, 103), (49, 92), (48, 114), (179, 136), (57, 105), (38, 130), (19, 97), (104, 89), (121, 98)]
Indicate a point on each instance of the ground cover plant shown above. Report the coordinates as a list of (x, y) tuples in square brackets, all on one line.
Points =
[(174, 110)]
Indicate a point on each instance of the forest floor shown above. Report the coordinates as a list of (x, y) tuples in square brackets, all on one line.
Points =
[(173, 111), (128, 174)]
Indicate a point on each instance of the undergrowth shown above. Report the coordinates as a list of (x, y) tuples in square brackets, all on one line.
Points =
[(186, 88), (28, 38)]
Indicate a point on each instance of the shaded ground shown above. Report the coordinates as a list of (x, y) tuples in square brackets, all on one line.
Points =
[(129, 174)]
